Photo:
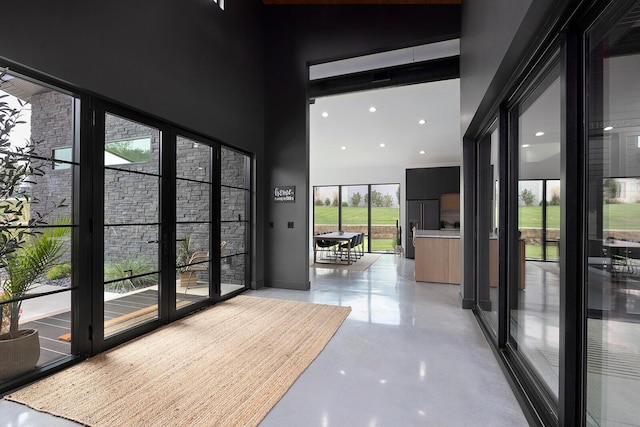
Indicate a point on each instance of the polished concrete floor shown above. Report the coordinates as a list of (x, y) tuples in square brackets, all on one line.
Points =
[(407, 355)]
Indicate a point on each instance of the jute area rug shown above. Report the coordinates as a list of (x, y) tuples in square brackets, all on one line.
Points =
[(225, 366), (360, 265)]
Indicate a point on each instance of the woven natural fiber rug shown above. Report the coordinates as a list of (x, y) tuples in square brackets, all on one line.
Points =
[(360, 265), (225, 366)]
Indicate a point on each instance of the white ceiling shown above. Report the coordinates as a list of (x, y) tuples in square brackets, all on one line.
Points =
[(395, 123)]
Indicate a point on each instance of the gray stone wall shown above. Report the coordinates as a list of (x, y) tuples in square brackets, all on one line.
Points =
[(52, 126), (131, 198)]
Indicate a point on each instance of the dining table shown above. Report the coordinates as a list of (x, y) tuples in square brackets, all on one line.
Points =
[(336, 236)]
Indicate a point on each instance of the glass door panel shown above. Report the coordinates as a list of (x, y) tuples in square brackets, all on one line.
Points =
[(325, 209), (131, 224), (552, 217), (488, 255), (43, 139), (530, 214), (234, 221), (194, 169), (535, 288), (354, 210), (385, 217), (613, 223)]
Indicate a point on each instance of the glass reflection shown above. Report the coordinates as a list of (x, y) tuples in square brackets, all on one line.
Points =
[(534, 291), (488, 228), (613, 263)]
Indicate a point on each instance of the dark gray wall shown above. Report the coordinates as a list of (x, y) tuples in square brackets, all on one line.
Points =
[(186, 62), (295, 36), (495, 35)]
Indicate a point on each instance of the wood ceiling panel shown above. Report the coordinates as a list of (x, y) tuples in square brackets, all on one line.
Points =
[(329, 2)]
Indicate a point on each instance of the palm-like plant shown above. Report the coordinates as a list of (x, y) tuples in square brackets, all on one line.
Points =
[(25, 265), (122, 275)]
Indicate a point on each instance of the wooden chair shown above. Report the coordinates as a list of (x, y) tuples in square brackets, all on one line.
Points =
[(199, 262)]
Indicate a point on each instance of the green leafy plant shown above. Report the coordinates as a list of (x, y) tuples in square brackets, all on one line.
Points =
[(26, 264), (59, 271), (120, 276)]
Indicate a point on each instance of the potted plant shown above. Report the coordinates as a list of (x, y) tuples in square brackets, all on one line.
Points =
[(20, 348), (25, 254), (183, 256)]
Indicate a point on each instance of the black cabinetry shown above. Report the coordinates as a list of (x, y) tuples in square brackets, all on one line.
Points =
[(424, 188), (430, 183)]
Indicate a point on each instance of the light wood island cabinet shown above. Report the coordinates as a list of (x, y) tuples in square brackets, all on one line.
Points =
[(437, 258)]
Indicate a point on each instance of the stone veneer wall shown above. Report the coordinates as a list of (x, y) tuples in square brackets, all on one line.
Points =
[(52, 126), (233, 216), (132, 198)]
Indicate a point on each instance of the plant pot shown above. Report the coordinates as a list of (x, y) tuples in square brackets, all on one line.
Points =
[(19, 355), (188, 279)]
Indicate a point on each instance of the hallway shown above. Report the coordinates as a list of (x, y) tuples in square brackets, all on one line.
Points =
[(407, 355)]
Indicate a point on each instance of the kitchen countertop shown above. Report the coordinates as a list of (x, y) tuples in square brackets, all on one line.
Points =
[(443, 234)]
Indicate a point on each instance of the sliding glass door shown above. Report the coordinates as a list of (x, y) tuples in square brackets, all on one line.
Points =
[(612, 265), (534, 287)]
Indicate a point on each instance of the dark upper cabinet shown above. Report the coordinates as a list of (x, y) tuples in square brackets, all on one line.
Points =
[(429, 183)]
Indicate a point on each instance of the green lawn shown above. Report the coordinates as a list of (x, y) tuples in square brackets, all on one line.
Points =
[(621, 216), (531, 216), (350, 215), (535, 252)]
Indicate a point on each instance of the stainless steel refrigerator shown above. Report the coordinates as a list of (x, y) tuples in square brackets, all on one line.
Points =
[(423, 215)]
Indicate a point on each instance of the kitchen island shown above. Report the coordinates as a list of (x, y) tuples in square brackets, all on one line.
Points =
[(437, 255)]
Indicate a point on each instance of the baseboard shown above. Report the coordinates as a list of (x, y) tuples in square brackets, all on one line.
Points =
[(467, 303)]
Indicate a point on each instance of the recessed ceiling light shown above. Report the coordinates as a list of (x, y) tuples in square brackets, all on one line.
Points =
[(382, 145), (609, 128), (372, 109), (422, 152), (422, 121), (525, 145), (539, 133), (325, 114), (343, 148)]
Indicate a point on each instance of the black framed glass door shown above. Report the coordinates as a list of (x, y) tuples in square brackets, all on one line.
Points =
[(488, 227), (612, 260), (196, 276), (533, 286), (128, 177)]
